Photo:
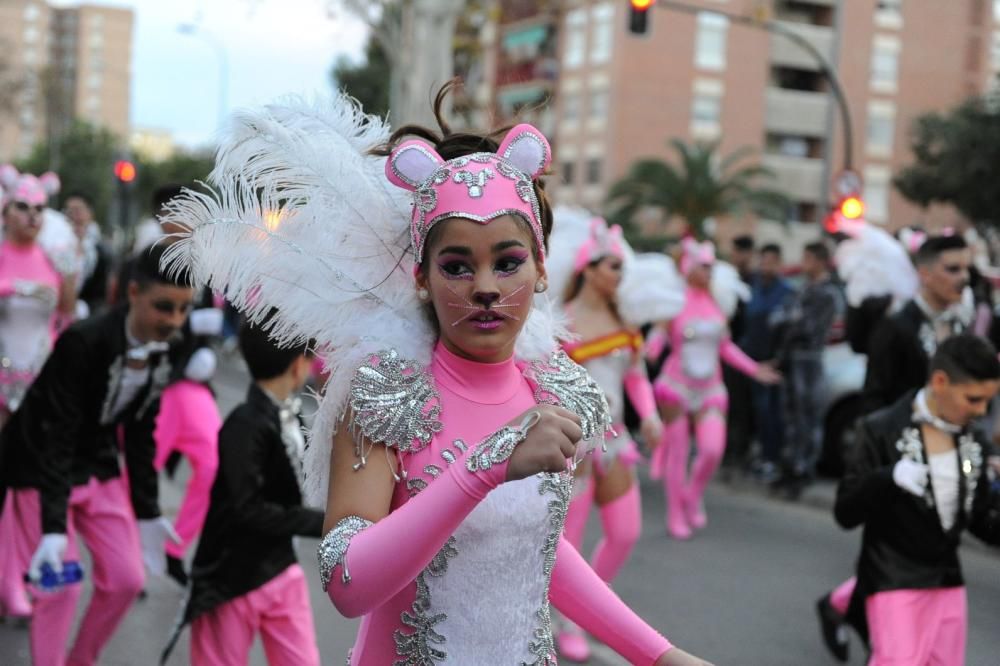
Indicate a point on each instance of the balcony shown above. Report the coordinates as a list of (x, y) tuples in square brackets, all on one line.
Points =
[(800, 178), (786, 53), (795, 112)]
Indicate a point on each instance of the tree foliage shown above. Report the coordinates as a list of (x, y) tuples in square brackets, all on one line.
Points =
[(182, 168), (957, 160), (367, 81), (700, 187)]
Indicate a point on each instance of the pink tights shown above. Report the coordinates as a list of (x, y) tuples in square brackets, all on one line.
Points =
[(670, 461), (840, 598)]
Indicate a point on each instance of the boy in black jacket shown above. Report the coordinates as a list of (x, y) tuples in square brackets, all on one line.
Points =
[(245, 576)]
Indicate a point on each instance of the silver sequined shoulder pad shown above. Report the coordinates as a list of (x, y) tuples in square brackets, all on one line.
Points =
[(560, 381), (394, 402)]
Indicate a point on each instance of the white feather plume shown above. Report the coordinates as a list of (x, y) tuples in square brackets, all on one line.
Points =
[(570, 230), (873, 263), (59, 241), (727, 287), (302, 219)]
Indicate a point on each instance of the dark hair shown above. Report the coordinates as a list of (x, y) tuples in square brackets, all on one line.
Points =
[(450, 145), (771, 248), (163, 194), (967, 358), (147, 269), (79, 195), (819, 250), (744, 242), (934, 246), (264, 357)]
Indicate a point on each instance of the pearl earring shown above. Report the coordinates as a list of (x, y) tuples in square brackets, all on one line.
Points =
[(540, 286), (423, 294)]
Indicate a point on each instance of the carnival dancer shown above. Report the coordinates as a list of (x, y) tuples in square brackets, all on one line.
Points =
[(919, 476), (60, 458), (607, 293), (447, 382), (37, 298), (245, 578), (690, 391), (96, 257)]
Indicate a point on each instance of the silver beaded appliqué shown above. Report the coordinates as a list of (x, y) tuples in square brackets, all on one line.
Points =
[(424, 645), (332, 549), (911, 446), (499, 446), (971, 454), (560, 381)]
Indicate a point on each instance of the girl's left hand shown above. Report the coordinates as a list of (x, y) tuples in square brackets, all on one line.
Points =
[(766, 374), (678, 657)]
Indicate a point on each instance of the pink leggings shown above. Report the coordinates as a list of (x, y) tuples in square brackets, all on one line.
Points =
[(918, 627), (101, 513), (279, 610)]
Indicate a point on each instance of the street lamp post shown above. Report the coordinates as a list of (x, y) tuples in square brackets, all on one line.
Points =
[(220, 52)]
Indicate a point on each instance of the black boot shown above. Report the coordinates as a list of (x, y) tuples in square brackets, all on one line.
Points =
[(832, 626), (175, 569)]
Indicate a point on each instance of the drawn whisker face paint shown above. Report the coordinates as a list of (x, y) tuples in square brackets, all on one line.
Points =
[(474, 309)]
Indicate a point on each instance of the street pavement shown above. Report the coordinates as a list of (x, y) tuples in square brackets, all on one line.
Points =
[(740, 593)]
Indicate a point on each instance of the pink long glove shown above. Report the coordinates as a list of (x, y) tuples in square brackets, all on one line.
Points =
[(379, 569), (736, 358), (656, 343), (640, 392), (580, 594)]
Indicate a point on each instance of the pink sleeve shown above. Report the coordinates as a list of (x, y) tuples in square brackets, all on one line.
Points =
[(735, 357), (372, 567), (656, 342), (640, 391), (580, 594)]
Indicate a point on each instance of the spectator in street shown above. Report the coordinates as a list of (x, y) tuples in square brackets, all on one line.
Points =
[(807, 320), (739, 426), (918, 477), (245, 576), (96, 256), (769, 290)]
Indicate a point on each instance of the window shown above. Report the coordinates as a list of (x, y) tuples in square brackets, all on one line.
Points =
[(30, 35), (710, 42), (706, 109), (568, 173), (599, 104), (996, 11), (570, 107), (881, 128), (793, 146), (602, 32), (576, 38), (877, 193), (889, 13), (31, 12), (995, 51), (94, 81), (885, 63), (594, 165)]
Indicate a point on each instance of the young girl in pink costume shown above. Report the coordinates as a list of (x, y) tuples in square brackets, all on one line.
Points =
[(457, 413), (37, 297), (690, 391)]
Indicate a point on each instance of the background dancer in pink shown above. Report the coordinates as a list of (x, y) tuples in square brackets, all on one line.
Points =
[(607, 293), (448, 481), (690, 390)]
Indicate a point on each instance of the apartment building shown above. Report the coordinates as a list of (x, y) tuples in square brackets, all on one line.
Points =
[(74, 62), (612, 97)]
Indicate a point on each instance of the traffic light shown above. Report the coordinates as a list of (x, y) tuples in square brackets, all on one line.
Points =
[(846, 216), (852, 207), (125, 171), (638, 18)]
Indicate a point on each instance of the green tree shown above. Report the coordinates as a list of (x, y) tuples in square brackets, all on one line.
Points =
[(957, 160), (182, 168), (700, 187), (367, 81)]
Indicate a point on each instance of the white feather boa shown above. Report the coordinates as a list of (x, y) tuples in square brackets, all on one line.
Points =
[(302, 219)]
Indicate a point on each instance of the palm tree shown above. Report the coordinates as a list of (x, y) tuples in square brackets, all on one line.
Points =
[(703, 187)]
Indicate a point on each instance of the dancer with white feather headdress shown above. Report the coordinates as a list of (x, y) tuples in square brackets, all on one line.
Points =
[(451, 411), (607, 293), (690, 390)]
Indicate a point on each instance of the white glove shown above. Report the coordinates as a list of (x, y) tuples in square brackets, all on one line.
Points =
[(911, 476), (153, 534), (50, 551), (82, 310), (201, 366), (206, 321)]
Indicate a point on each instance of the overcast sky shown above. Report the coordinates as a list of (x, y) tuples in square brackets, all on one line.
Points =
[(273, 47)]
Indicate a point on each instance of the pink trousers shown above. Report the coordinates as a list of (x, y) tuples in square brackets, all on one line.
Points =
[(188, 422), (279, 610), (101, 513), (918, 627), (15, 555)]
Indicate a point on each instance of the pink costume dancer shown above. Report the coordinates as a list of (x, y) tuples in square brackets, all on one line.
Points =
[(31, 289), (445, 558), (690, 388)]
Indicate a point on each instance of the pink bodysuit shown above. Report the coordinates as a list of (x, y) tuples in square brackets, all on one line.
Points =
[(692, 377), (463, 568)]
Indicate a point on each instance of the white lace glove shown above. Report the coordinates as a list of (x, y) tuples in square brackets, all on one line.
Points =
[(201, 366), (153, 534), (206, 321), (50, 551), (911, 476)]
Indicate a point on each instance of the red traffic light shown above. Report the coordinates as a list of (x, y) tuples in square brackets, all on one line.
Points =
[(642, 5), (852, 208), (638, 19), (124, 171)]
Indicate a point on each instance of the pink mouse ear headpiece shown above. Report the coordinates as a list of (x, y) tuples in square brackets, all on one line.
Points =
[(28, 189), (603, 241), (696, 254), (479, 187)]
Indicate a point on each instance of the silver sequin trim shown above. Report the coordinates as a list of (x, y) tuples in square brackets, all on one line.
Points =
[(422, 647), (395, 403), (971, 454), (911, 446), (332, 549), (560, 381), (495, 449)]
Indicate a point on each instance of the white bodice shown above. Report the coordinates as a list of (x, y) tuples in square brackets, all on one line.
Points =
[(25, 335), (700, 351)]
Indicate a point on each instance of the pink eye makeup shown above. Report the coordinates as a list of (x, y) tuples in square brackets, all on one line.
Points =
[(509, 264), (454, 268)]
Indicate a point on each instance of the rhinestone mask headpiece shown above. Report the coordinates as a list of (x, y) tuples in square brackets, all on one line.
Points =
[(479, 187), (603, 241)]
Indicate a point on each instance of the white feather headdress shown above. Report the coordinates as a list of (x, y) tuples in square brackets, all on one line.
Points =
[(873, 263), (302, 219)]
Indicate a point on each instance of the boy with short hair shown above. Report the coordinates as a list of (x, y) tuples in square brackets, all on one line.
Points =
[(245, 576)]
